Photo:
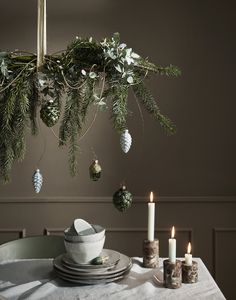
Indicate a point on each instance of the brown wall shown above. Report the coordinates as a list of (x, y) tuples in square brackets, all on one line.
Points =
[(193, 172)]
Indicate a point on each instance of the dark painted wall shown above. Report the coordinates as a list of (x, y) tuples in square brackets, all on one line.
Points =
[(199, 161), (198, 36)]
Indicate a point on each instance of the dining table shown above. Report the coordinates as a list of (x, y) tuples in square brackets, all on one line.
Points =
[(35, 279)]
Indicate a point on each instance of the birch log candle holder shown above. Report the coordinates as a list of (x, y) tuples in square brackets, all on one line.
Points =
[(172, 274), (151, 253), (189, 272)]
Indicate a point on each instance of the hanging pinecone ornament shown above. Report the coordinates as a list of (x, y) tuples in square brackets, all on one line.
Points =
[(122, 199), (50, 113), (125, 141), (37, 180), (95, 170)]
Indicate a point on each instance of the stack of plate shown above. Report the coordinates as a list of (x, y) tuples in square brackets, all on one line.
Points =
[(115, 268)]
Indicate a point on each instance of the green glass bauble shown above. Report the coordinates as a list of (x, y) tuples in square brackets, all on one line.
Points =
[(122, 199), (50, 113)]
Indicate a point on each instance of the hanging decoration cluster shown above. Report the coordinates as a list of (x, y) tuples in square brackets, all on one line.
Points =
[(68, 83)]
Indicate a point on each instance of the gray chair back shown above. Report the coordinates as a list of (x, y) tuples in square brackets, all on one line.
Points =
[(32, 247)]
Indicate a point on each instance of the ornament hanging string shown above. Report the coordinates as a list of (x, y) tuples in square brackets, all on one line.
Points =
[(94, 153)]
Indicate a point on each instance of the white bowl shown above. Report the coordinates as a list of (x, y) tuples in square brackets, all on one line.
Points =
[(86, 235), (84, 252), (80, 225)]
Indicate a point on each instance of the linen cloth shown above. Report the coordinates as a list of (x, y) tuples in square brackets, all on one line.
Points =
[(35, 279)]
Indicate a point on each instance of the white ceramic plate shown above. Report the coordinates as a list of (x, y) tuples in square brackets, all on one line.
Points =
[(123, 264), (87, 276), (90, 281), (88, 271), (113, 259)]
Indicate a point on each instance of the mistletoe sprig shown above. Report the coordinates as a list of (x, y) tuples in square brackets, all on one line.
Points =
[(87, 73)]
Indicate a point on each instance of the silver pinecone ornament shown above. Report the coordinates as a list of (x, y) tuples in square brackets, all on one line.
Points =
[(125, 141), (37, 180)]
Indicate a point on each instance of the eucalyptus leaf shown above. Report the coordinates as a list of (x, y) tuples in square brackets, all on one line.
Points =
[(130, 79), (118, 68), (122, 46), (135, 55), (92, 75), (4, 69), (83, 72)]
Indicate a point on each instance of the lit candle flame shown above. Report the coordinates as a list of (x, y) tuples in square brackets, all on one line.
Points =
[(151, 197), (173, 232), (189, 248)]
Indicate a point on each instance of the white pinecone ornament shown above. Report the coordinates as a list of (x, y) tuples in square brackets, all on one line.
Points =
[(37, 180), (125, 141)]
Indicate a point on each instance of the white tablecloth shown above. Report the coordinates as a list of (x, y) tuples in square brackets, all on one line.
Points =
[(35, 279)]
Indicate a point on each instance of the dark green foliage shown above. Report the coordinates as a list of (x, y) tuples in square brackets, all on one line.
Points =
[(119, 107), (87, 98), (87, 73), (171, 70), (14, 110), (147, 99), (70, 127), (34, 104), (76, 108)]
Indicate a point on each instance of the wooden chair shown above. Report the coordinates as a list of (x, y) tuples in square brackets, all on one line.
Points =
[(33, 247)]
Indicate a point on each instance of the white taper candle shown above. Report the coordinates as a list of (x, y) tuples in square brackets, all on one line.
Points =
[(172, 246), (188, 256), (151, 218)]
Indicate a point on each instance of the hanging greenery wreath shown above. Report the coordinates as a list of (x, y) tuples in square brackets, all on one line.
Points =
[(87, 72)]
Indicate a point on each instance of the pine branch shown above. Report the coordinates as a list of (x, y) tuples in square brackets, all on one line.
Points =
[(119, 107), (20, 121), (168, 71), (13, 125), (86, 98), (148, 66), (144, 95), (33, 105), (64, 131), (73, 149), (6, 134), (70, 127), (6, 162)]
